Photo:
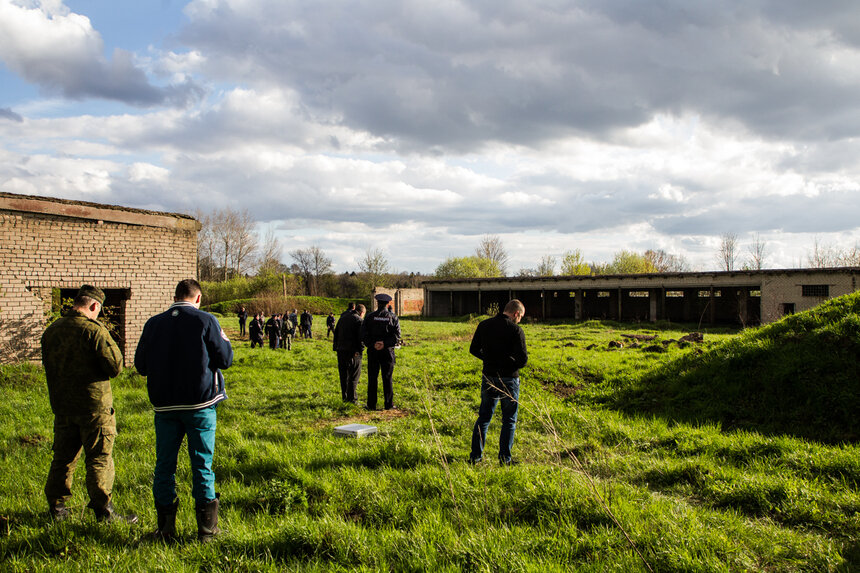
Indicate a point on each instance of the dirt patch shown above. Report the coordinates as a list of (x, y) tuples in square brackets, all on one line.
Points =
[(32, 439)]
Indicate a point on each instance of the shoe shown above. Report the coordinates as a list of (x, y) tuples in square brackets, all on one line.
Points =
[(166, 528), (474, 461), (207, 520), (392, 408), (59, 512), (509, 462), (108, 515)]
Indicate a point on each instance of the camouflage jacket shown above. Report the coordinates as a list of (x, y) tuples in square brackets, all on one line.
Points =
[(80, 358)]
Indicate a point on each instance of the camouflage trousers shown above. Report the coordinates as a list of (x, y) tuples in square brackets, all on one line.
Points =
[(94, 434)]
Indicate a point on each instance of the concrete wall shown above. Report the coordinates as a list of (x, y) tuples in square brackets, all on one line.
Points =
[(406, 301), (136, 256)]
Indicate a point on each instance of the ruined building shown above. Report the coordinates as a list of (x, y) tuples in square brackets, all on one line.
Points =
[(49, 247)]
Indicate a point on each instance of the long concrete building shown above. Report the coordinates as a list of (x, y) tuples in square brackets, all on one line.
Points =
[(734, 297)]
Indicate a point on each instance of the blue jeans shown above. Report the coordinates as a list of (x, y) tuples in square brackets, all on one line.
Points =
[(170, 428), (494, 390)]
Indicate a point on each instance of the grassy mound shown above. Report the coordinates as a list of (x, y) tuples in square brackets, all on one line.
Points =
[(799, 376)]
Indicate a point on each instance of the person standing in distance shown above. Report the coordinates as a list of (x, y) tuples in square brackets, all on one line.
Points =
[(348, 345), (182, 352), (243, 317), (380, 334), (501, 344), (80, 358)]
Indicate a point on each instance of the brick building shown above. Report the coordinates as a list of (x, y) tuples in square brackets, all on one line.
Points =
[(735, 297), (49, 247)]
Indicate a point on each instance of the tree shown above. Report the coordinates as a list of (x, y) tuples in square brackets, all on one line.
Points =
[(573, 263), (757, 253), (467, 267), (727, 251), (270, 254), (226, 244), (374, 265), (492, 248), (629, 263), (312, 264), (546, 266), (664, 262), (822, 256)]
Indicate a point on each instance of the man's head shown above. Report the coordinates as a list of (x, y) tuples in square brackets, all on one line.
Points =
[(515, 310), (89, 300), (350, 306), (188, 290), (360, 310), (382, 300)]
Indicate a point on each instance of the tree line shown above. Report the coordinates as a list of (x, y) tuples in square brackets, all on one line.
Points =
[(229, 247)]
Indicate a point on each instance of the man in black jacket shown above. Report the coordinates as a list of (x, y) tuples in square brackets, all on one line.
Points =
[(501, 344), (380, 333), (348, 345), (182, 352)]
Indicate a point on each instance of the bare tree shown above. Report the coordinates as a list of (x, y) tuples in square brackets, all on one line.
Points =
[(727, 251), (546, 266), (757, 253), (664, 262), (226, 244), (492, 248), (206, 247), (374, 265), (270, 253), (312, 265)]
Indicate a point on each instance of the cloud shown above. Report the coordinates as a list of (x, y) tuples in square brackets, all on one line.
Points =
[(455, 76), (58, 50), (7, 113)]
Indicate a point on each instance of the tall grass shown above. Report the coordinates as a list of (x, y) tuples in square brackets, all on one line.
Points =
[(598, 481)]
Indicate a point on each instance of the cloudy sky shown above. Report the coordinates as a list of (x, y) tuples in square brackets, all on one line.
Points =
[(417, 126)]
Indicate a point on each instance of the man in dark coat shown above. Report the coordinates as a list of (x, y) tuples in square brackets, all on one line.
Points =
[(329, 324), (182, 352), (273, 331), (243, 316), (380, 332), (255, 330), (307, 322), (501, 344), (348, 345), (80, 358)]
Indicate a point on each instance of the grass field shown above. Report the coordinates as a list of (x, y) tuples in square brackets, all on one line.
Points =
[(628, 464)]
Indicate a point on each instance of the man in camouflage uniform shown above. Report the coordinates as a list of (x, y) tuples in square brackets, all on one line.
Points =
[(80, 358)]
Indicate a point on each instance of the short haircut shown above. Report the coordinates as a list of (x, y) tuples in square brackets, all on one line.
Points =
[(350, 306), (83, 301), (188, 288), (515, 306), (359, 308)]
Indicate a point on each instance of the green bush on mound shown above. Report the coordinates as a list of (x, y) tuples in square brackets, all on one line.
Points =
[(800, 376)]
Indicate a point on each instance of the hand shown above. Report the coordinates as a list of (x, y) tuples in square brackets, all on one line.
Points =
[(378, 345)]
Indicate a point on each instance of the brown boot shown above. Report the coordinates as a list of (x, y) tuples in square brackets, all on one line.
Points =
[(207, 520), (166, 522), (107, 514)]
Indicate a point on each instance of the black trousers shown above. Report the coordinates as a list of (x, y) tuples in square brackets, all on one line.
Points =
[(380, 361), (349, 369), (241, 328)]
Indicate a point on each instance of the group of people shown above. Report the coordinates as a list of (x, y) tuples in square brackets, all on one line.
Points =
[(182, 352), (280, 329)]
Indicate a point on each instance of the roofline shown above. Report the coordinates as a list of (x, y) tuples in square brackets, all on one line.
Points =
[(96, 211), (699, 274)]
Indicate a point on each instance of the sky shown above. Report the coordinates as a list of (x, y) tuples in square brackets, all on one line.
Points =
[(418, 127)]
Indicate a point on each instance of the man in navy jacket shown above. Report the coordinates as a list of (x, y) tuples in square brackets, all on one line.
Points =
[(182, 352)]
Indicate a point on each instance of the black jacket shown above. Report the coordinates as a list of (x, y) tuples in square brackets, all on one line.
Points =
[(501, 344), (347, 333), (380, 325)]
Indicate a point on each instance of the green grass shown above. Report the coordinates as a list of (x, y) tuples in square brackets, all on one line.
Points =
[(619, 456)]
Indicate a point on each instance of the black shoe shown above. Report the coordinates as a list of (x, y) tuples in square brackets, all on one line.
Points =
[(59, 512), (108, 515), (474, 461), (166, 528), (509, 463), (207, 520)]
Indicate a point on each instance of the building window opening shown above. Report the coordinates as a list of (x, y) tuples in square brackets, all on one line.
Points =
[(819, 291), (787, 308)]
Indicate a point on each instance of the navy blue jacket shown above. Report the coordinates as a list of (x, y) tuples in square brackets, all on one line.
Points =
[(181, 352)]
